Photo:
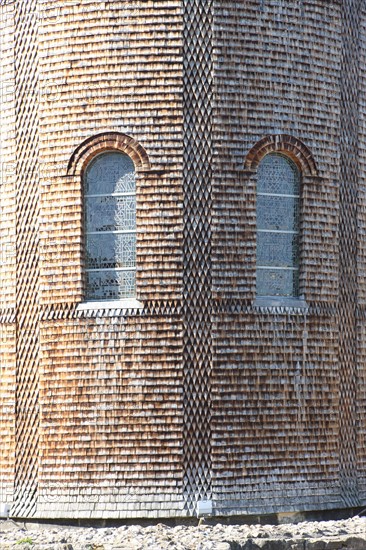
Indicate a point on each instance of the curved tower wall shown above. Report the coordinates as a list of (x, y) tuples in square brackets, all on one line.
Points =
[(8, 265), (279, 70), (204, 393), (110, 392)]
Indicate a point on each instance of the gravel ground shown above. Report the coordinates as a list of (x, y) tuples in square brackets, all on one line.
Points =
[(347, 534)]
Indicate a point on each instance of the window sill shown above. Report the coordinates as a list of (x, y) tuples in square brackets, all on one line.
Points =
[(129, 303), (274, 302)]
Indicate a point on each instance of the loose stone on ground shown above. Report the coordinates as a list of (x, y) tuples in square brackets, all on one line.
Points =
[(330, 535)]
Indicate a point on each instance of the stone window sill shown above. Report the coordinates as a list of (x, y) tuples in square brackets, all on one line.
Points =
[(129, 303), (275, 302)]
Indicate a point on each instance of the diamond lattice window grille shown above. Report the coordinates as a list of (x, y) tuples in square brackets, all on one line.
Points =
[(110, 227)]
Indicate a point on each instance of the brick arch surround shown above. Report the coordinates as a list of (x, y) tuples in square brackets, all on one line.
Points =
[(93, 146), (282, 143)]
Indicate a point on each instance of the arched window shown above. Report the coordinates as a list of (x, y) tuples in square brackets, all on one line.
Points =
[(110, 227), (278, 219)]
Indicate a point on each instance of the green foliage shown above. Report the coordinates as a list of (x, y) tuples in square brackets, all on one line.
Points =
[(26, 540)]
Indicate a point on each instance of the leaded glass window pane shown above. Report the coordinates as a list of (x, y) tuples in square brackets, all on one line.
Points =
[(277, 249), (278, 175), (110, 222), (111, 284), (110, 173), (111, 213), (277, 282), (110, 250), (278, 215)]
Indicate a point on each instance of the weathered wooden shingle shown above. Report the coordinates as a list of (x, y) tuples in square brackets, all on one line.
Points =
[(198, 392)]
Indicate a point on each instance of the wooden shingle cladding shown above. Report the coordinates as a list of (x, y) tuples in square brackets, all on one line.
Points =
[(8, 258), (103, 71), (111, 386), (197, 278), (275, 384), (26, 273), (361, 270), (7, 412), (198, 394), (348, 254), (112, 417)]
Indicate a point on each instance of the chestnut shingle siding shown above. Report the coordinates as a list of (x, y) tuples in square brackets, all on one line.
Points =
[(112, 417), (26, 188), (111, 387), (275, 381), (8, 257), (200, 393)]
